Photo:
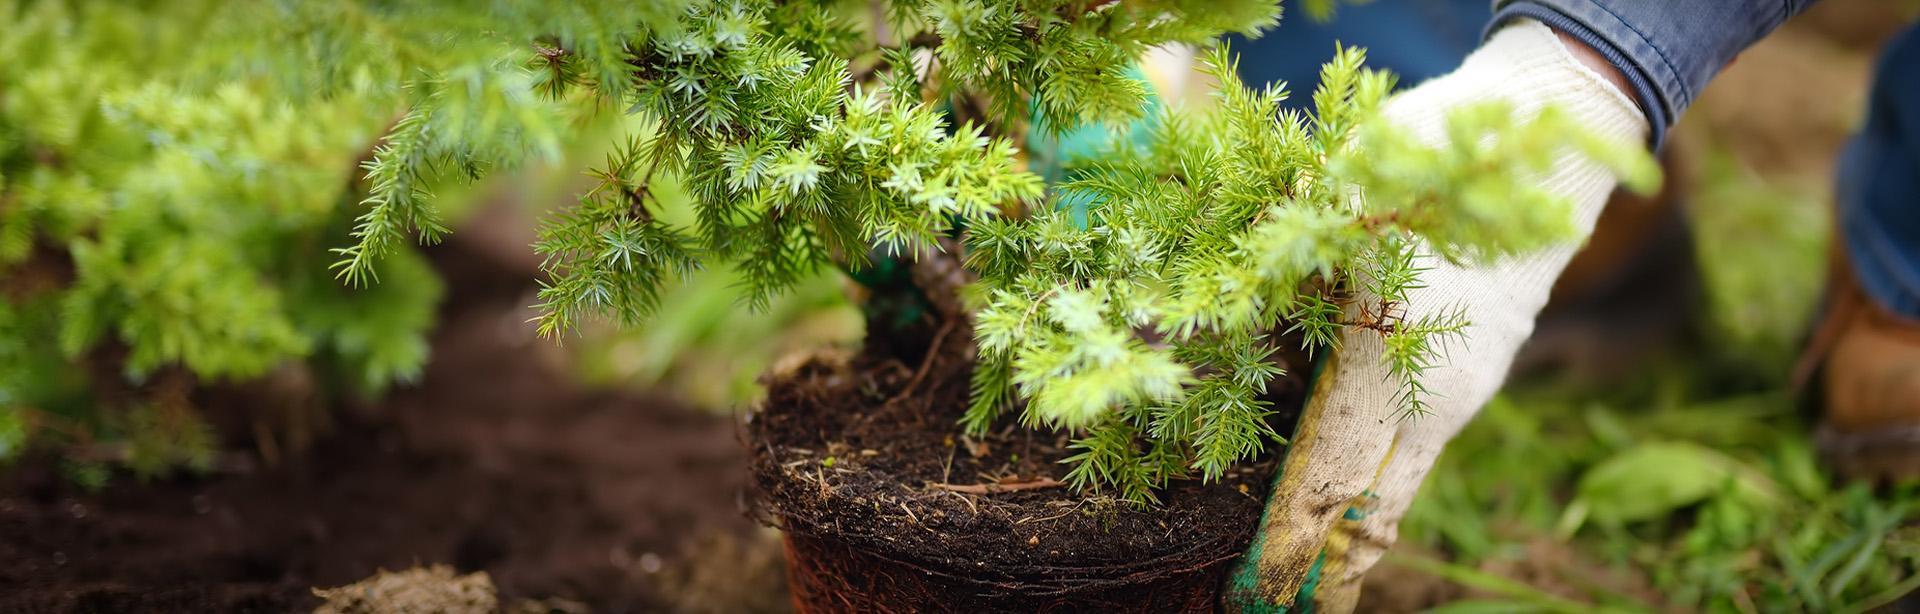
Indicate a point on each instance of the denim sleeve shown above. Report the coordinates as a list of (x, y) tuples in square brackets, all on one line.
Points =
[(1668, 49)]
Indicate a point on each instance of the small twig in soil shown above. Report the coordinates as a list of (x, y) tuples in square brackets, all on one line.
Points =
[(1058, 516), (926, 363), (999, 487), (946, 471), (967, 500), (976, 448)]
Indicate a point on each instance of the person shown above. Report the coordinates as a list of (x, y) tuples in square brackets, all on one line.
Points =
[(1626, 69)]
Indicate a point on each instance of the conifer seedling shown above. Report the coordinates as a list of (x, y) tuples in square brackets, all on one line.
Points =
[(811, 134), (811, 140)]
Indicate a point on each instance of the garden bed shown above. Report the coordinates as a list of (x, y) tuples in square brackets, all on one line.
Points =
[(496, 462)]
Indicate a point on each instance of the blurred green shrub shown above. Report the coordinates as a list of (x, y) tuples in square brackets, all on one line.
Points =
[(173, 174), (1761, 248)]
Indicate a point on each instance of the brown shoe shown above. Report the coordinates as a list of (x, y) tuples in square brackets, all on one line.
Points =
[(1866, 363)]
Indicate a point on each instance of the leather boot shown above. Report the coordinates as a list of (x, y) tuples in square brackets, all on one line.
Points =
[(1865, 362)]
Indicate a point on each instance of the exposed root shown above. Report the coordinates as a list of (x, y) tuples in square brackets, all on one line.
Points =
[(926, 363)]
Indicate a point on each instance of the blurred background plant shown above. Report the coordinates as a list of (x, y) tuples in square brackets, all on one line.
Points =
[(172, 175)]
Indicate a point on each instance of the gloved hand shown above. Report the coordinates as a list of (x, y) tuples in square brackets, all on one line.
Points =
[(1355, 462)]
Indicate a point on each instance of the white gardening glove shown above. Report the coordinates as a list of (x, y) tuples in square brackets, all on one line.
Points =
[(1353, 449)]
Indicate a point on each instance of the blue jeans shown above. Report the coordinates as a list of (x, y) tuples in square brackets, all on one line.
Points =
[(1877, 186), (1668, 49), (1416, 39)]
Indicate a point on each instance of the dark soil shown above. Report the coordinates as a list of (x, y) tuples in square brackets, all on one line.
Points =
[(859, 469), (495, 462)]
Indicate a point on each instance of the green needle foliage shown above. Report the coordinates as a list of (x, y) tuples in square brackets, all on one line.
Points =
[(795, 163), (190, 159), (807, 141)]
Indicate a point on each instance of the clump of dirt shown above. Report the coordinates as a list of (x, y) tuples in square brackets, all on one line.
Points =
[(731, 574), (495, 462), (421, 589), (432, 589), (885, 499)]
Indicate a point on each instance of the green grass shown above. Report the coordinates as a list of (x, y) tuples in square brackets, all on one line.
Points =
[(1711, 502)]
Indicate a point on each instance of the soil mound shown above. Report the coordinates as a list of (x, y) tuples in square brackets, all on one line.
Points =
[(496, 461), (884, 499)]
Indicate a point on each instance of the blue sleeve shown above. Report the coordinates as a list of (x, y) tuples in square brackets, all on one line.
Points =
[(1668, 49)]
